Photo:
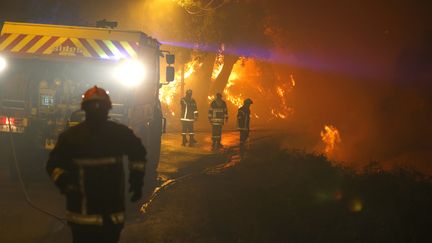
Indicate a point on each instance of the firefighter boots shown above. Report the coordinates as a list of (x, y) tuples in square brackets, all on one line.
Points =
[(184, 142), (219, 144), (192, 140), (216, 144)]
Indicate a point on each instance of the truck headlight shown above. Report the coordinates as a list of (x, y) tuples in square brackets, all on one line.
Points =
[(3, 64), (130, 72)]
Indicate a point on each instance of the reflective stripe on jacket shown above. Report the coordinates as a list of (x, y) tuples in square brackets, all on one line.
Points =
[(218, 112), (189, 110), (91, 159)]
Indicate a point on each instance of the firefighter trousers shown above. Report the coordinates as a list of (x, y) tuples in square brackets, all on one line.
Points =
[(187, 127), (244, 134), (216, 133), (107, 233)]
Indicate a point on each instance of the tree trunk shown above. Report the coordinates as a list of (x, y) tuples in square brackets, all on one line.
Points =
[(201, 80), (222, 80)]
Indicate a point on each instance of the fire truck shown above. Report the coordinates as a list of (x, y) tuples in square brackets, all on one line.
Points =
[(44, 70)]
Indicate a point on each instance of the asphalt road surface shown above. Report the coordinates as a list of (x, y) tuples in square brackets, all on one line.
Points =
[(21, 223)]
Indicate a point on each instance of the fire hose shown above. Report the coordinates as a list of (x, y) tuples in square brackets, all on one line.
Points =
[(20, 178), (233, 156), (144, 207)]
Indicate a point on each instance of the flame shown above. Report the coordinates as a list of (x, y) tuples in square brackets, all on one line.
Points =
[(246, 81), (280, 91), (235, 100), (278, 114), (190, 68), (233, 76), (218, 65), (293, 82), (331, 138), (167, 92)]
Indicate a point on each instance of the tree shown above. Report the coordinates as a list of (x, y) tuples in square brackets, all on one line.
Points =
[(238, 26)]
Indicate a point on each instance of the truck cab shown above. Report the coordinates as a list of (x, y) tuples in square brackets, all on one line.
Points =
[(44, 70)]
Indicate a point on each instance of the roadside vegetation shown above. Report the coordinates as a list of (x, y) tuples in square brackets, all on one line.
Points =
[(277, 195)]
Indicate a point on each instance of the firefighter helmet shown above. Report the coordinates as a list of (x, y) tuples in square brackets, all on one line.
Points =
[(219, 95), (248, 101), (96, 93), (189, 92)]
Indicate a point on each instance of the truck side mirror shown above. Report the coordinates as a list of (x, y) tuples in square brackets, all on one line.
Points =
[(170, 59), (170, 73)]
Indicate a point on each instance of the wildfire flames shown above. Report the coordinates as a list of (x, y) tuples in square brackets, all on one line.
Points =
[(217, 68), (169, 91), (331, 138), (245, 81)]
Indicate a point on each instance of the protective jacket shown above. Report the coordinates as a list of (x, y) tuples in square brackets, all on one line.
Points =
[(243, 118), (189, 111), (218, 112), (90, 160)]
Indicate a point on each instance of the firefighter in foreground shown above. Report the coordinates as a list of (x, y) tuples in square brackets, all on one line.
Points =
[(189, 114), (243, 120), (217, 115), (86, 165)]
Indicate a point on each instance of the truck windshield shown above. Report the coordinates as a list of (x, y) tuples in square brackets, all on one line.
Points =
[(53, 86)]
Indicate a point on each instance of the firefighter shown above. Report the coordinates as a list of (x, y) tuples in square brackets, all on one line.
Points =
[(86, 165), (243, 120), (189, 114), (217, 114)]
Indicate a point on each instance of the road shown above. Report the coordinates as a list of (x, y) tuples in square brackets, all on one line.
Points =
[(177, 163)]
